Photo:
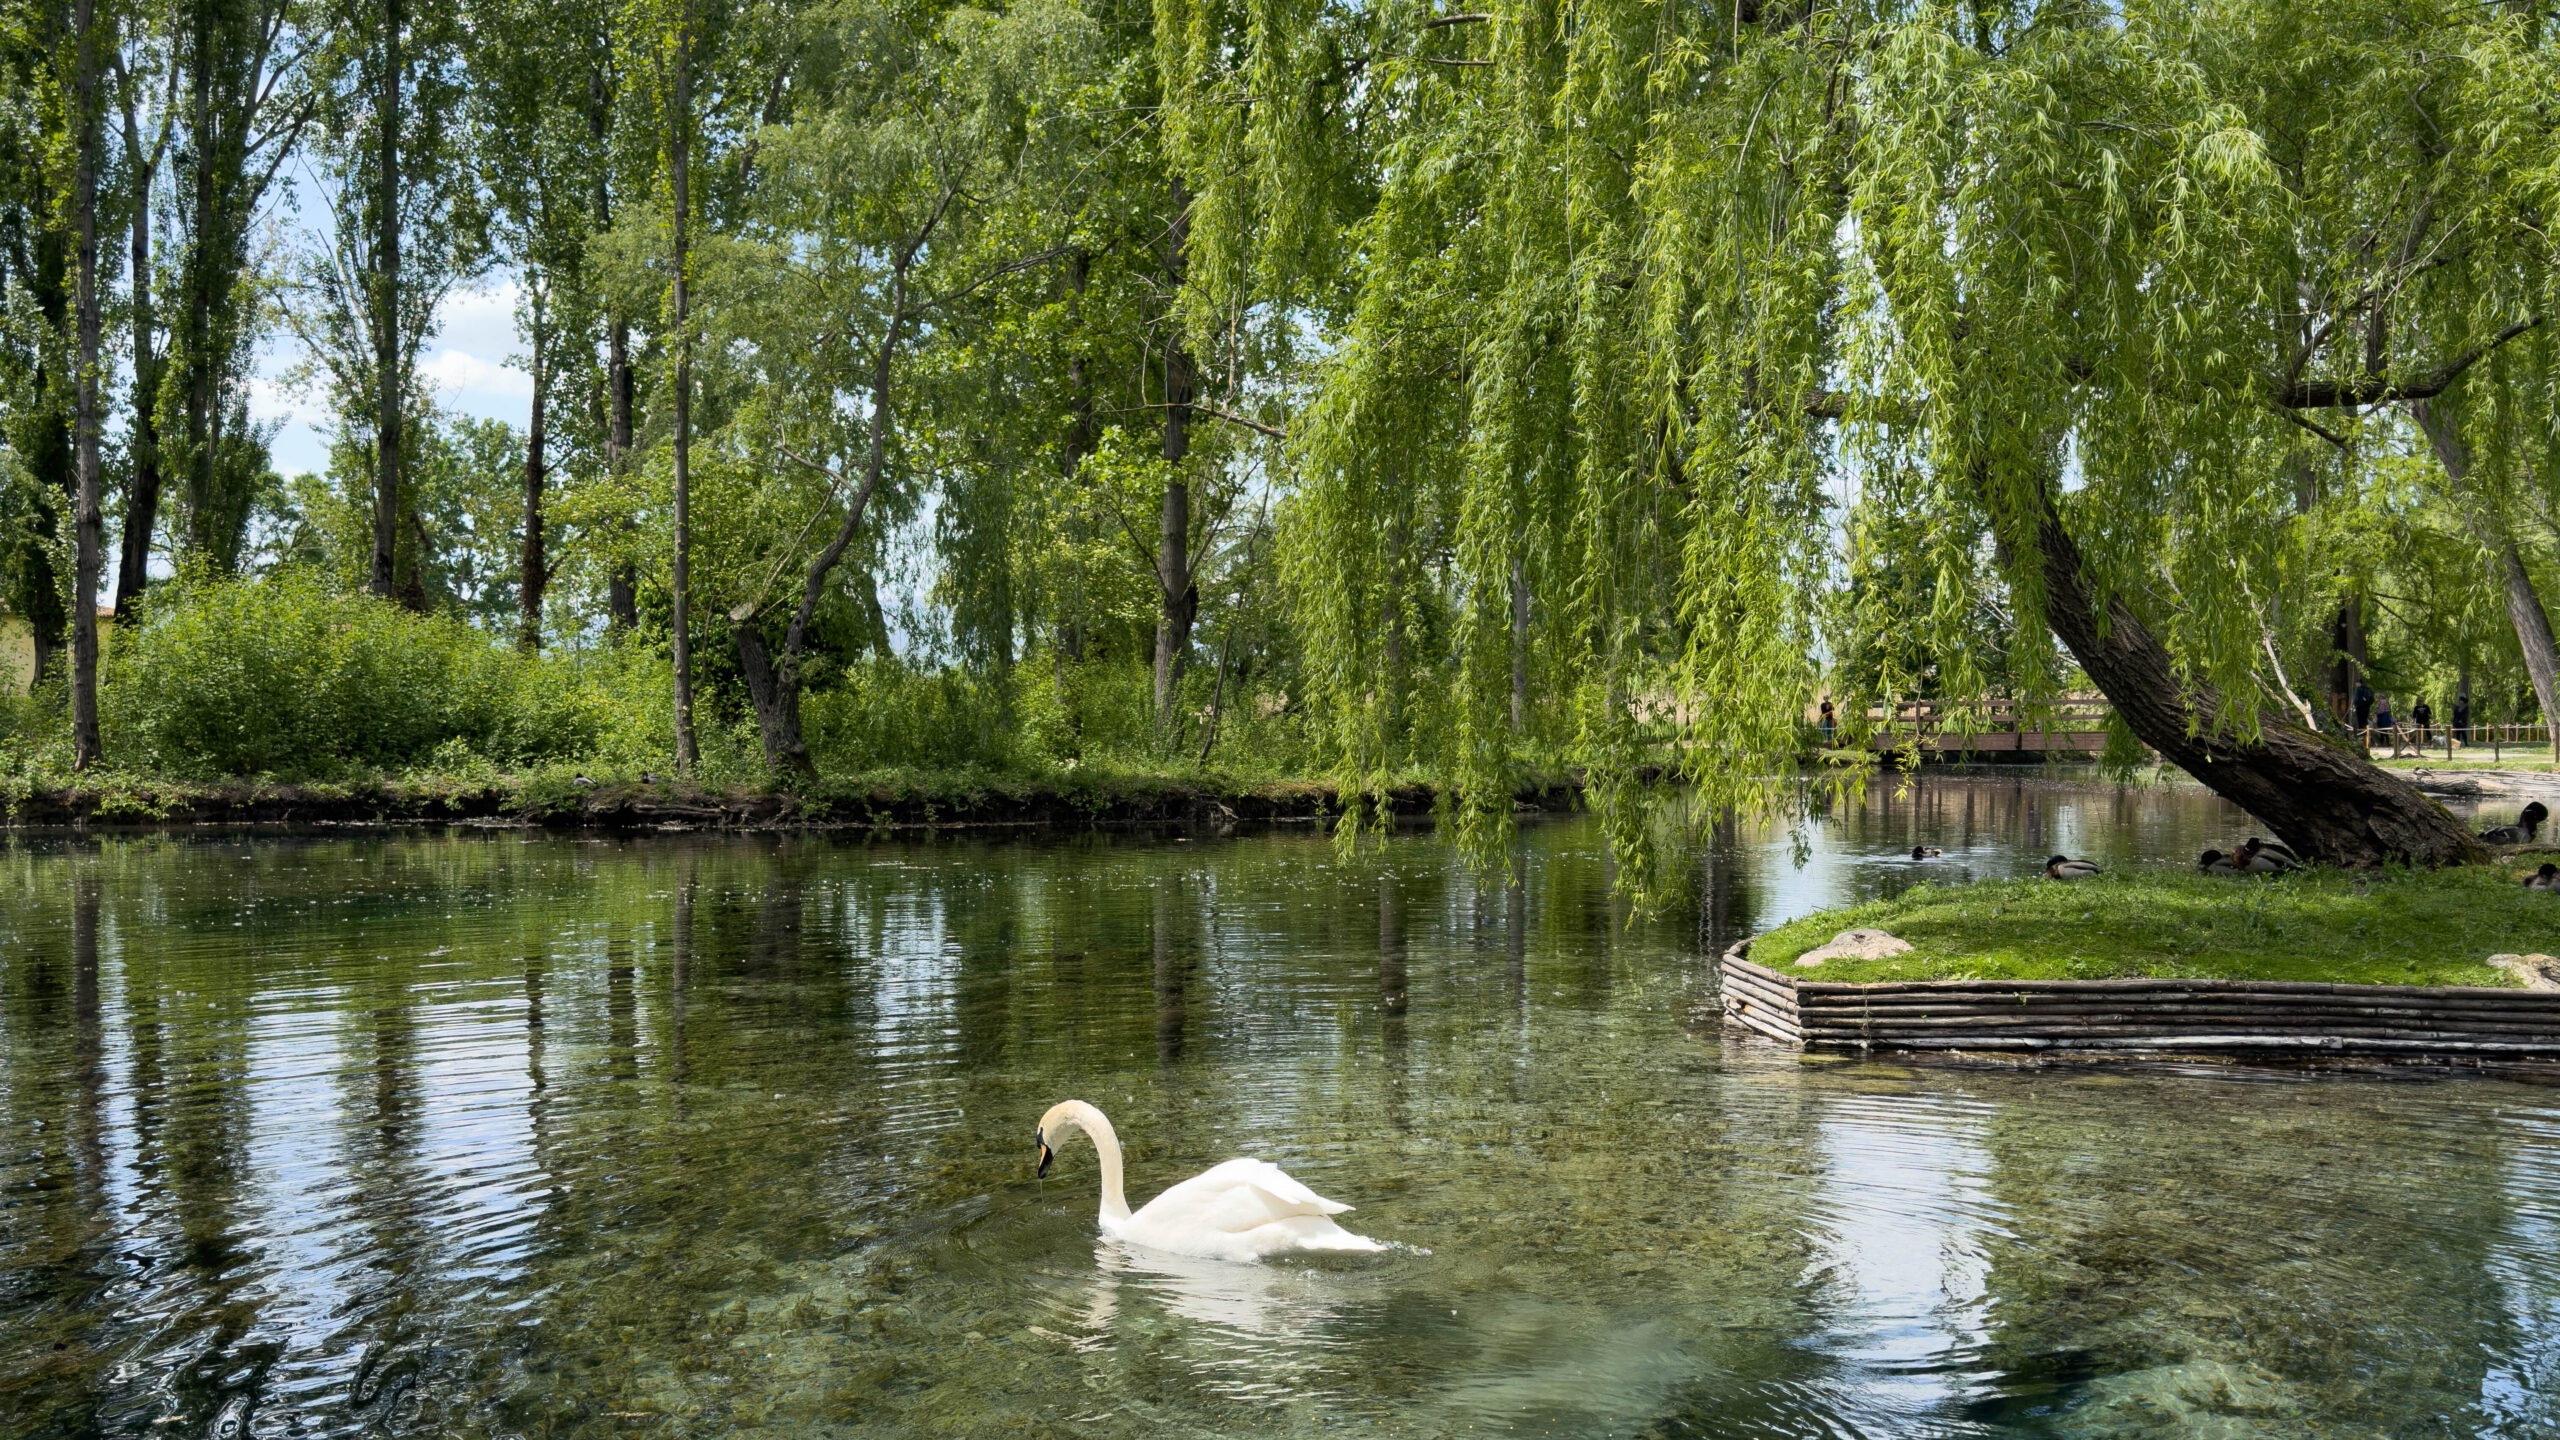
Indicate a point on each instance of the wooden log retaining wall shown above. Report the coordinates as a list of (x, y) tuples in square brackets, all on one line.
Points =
[(2182, 1017)]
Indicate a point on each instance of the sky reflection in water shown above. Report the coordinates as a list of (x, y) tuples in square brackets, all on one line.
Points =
[(514, 1135)]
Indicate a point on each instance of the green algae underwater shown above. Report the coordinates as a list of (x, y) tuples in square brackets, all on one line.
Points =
[(522, 1135)]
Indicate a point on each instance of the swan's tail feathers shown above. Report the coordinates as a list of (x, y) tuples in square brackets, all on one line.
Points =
[(1318, 1232)]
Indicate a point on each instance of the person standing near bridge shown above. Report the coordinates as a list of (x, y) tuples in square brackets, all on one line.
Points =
[(2421, 715)]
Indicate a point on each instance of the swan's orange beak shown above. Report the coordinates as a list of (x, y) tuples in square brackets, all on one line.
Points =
[(1046, 1155)]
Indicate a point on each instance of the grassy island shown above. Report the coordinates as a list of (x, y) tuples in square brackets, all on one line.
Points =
[(2379, 927)]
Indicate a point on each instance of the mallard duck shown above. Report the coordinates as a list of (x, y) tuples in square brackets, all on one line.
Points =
[(2521, 831), (2546, 878), (2257, 857), (2063, 867), (2278, 848), (2214, 862), (1926, 852)]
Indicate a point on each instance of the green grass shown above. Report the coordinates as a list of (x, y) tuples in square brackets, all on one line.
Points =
[(2387, 927)]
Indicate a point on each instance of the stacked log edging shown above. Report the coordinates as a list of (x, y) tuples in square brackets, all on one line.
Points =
[(2146, 1017)]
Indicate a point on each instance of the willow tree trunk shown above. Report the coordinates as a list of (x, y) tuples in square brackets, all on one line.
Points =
[(2498, 540), (679, 163), (386, 317), (88, 45), (2324, 799)]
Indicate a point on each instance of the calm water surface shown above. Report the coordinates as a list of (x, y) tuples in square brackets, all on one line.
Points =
[(506, 1135)]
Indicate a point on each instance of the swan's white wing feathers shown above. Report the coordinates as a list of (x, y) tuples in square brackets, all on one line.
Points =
[(1273, 1181)]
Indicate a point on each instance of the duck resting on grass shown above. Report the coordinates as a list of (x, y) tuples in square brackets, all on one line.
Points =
[(2214, 862), (2546, 878), (2063, 867), (1926, 852), (2258, 857), (2521, 831)]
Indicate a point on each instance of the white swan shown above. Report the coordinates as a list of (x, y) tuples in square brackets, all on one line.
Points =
[(1238, 1210)]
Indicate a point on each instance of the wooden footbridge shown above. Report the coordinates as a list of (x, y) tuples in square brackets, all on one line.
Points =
[(1991, 729)]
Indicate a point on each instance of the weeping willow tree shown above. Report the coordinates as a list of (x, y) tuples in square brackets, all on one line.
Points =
[(1662, 318)]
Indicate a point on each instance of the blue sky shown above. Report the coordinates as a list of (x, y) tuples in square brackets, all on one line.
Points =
[(468, 366)]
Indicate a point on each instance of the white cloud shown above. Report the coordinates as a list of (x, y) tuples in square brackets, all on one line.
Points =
[(468, 368)]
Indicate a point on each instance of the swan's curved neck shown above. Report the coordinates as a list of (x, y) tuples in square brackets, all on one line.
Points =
[(1106, 1144)]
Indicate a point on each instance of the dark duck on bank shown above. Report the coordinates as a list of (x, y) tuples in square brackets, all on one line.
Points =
[(2546, 878), (2264, 857), (2523, 830), (2063, 867), (2214, 862)]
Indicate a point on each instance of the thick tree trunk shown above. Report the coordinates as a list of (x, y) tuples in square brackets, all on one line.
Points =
[(2524, 605), (776, 697), (680, 157), (386, 306), (88, 535), (2325, 800), (142, 480), (534, 562)]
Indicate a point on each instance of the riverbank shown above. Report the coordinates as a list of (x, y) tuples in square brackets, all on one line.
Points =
[(572, 800), (2386, 927)]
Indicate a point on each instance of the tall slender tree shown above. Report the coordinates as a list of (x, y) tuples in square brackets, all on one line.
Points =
[(146, 133), (92, 40), (390, 82), (679, 141), (248, 98)]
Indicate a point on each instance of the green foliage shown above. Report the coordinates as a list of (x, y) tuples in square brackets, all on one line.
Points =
[(1686, 315), (2395, 927), (287, 677)]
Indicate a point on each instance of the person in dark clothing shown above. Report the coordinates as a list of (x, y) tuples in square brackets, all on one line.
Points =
[(1830, 722), (2364, 707), (2461, 719), (2421, 715)]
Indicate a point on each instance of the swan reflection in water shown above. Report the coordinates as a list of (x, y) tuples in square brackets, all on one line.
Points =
[(1290, 1303)]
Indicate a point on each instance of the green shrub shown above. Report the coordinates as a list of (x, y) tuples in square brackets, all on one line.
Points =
[(886, 714), (286, 676)]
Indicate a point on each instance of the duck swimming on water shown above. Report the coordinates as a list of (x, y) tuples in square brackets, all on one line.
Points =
[(1926, 852), (2063, 867), (2521, 831), (2214, 862)]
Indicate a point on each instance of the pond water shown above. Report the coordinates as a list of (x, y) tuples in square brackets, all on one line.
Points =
[(518, 1135)]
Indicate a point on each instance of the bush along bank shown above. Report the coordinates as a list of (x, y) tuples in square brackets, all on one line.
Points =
[(572, 800)]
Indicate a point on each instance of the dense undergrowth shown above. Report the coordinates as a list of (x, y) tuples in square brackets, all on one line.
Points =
[(2375, 927), (286, 680)]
